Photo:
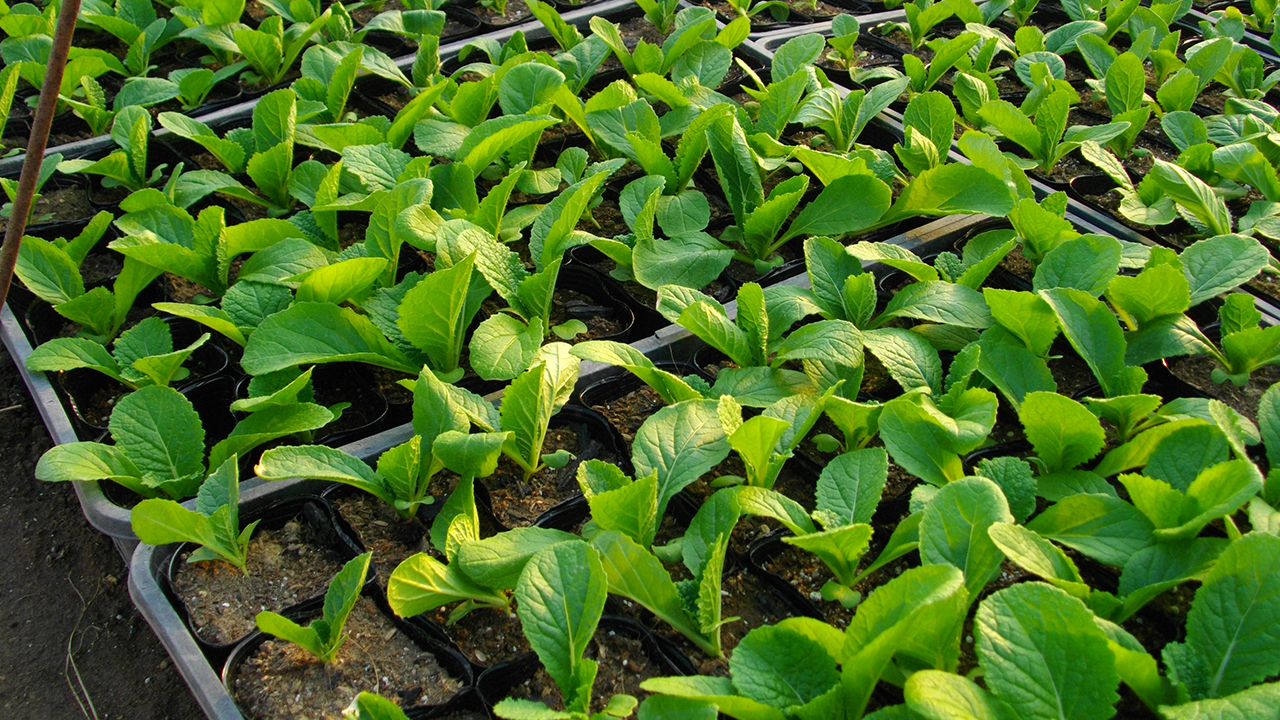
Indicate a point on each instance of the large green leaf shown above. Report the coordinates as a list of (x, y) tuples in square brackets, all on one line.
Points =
[(1043, 654), (954, 530), (308, 333)]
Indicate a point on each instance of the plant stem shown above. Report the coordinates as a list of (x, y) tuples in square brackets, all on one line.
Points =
[(36, 143)]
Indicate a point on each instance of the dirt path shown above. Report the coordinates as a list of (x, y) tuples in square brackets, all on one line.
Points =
[(61, 581)]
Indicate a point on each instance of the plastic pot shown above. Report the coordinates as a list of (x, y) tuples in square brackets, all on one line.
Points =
[(314, 511)]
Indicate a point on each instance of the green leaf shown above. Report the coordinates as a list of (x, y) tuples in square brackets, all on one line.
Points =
[(1258, 701), (954, 530), (48, 272), (318, 462), (560, 597), (845, 206), (1231, 632), (1042, 654), (679, 443), (338, 282), (759, 676), (735, 167), (1095, 334), (850, 487), (70, 353), (318, 333), (491, 138), (498, 561), (909, 358), (1039, 556), (952, 189), (1025, 315), (1063, 432), (636, 574), (435, 313), (1103, 527), (938, 302), (1086, 263), (502, 346), (160, 432), (77, 461), (1219, 264), (937, 695)]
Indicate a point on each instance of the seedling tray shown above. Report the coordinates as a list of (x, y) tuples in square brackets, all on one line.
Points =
[(148, 563)]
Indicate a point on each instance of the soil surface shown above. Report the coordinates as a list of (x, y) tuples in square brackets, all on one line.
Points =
[(284, 682), (70, 638), (624, 664), (286, 566)]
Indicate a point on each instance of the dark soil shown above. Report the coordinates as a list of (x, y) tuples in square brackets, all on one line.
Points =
[(485, 636), (381, 530), (516, 10), (517, 503), (1196, 370), (62, 204), (629, 412), (602, 321), (70, 635), (282, 681), (623, 666), (286, 566)]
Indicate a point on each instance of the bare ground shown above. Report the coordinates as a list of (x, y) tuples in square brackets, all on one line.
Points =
[(71, 643)]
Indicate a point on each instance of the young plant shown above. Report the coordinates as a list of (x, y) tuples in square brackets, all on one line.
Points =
[(323, 636), (926, 430), (847, 204), (829, 350), (660, 13), (142, 356), (143, 92), (1048, 139), (194, 84), (842, 119), (270, 52), (765, 442), (422, 583), (528, 405), (148, 463), (692, 50), (946, 54), (134, 23), (922, 16), (214, 525), (560, 598), (844, 39), (126, 167), (1123, 86), (912, 622), (51, 271), (405, 471), (634, 572), (368, 706)]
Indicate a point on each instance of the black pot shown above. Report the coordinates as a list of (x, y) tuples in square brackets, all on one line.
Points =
[(420, 632), (495, 683), (343, 382), (602, 440), (315, 512)]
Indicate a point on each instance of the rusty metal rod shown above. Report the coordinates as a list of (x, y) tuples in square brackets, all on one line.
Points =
[(37, 142)]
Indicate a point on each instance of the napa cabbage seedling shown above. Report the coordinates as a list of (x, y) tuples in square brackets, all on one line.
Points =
[(141, 459), (765, 442), (844, 39), (692, 607), (195, 84), (271, 52), (688, 256), (323, 636), (847, 204), (1048, 139), (99, 115), (759, 340), (51, 271), (672, 449), (1244, 74), (560, 598), (141, 356), (806, 667), (201, 249), (922, 16), (136, 25), (848, 492), (214, 525), (212, 25), (405, 471), (477, 573), (126, 167), (947, 53), (842, 119), (929, 429), (694, 49)]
